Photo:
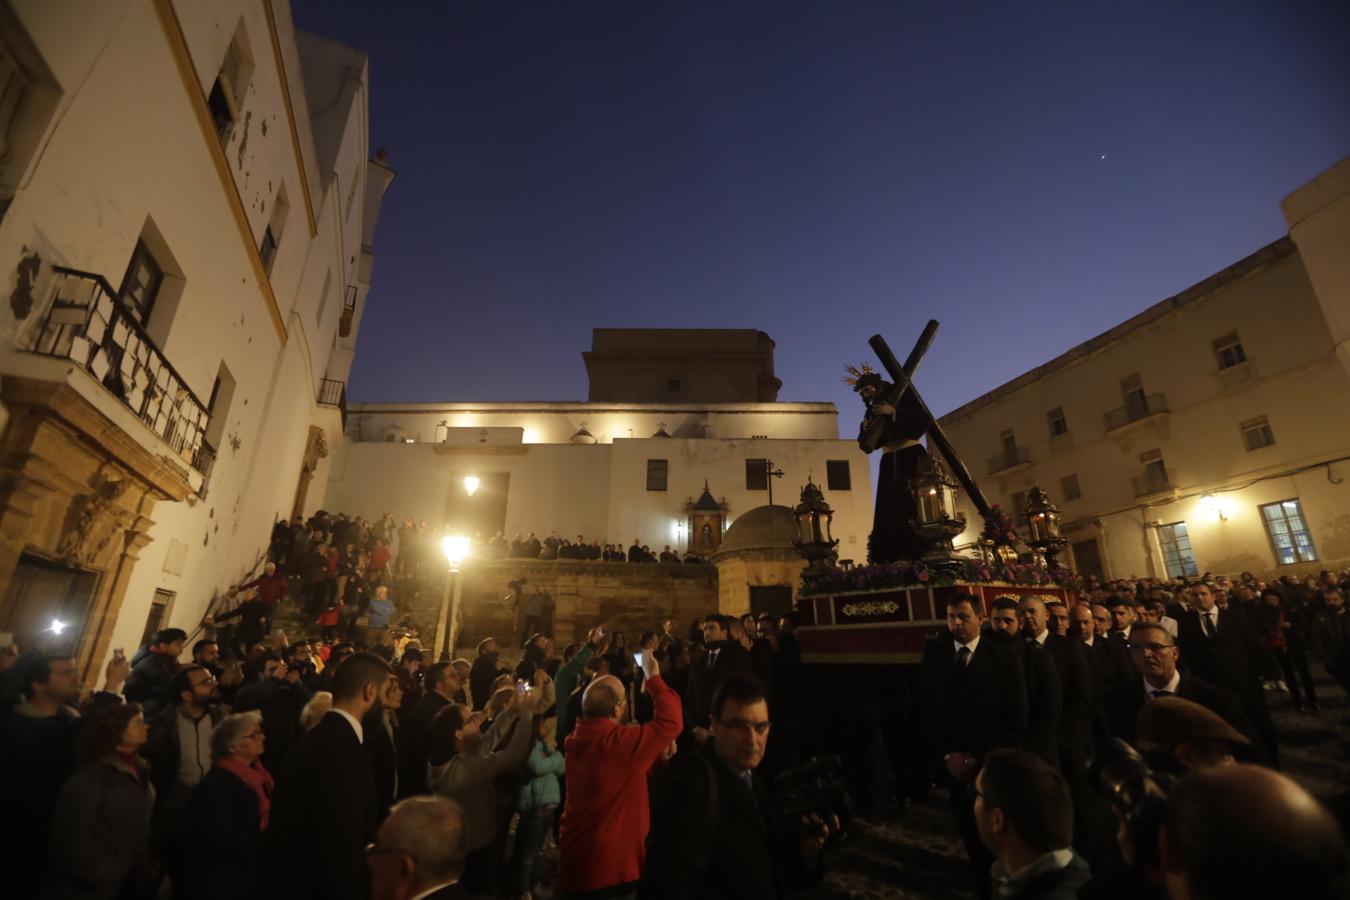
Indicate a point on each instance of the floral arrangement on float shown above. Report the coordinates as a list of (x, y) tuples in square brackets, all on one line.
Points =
[(998, 527), (916, 573)]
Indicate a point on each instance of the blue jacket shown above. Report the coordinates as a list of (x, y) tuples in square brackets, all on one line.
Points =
[(380, 612), (544, 767)]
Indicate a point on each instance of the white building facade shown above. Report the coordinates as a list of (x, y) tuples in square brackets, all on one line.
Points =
[(1211, 432), (188, 211), (607, 470)]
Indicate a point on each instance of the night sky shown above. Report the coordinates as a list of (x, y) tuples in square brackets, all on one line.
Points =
[(1029, 173)]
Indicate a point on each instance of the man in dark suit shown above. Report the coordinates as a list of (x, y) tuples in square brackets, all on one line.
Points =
[(714, 830), (974, 701), (1222, 648), (1155, 656), (724, 658), (441, 682), (418, 852), (325, 806), (1044, 694)]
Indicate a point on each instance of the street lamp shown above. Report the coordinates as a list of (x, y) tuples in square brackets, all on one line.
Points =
[(456, 549), (470, 485), (934, 492), (814, 540), (1043, 526)]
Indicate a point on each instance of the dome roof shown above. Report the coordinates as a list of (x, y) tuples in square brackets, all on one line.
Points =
[(762, 528)]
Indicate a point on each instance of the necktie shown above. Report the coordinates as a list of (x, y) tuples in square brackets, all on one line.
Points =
[(963, 656), (1207, 621), (748, 780)]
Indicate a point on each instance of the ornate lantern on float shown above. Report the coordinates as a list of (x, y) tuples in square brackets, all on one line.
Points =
[(934, 493), (813, 539), (1043, 527)]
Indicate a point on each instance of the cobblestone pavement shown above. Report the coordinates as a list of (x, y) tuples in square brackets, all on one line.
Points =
[(919, 855)]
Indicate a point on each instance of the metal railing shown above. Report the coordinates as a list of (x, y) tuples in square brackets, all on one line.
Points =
[(1135, 409), (1012, 456), (1153, 482), (348, 312), (334, 393), (89, 324)]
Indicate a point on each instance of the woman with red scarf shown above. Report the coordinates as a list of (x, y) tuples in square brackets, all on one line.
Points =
[(100, 844), (228, 814)]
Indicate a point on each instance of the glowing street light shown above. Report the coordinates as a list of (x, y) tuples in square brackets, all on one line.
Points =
[(57, 626), (470, 485), (456, 550)]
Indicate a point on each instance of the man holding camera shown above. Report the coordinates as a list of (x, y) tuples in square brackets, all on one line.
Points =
[(715, 832)]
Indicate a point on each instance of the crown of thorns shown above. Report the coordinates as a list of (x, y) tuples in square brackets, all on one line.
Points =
[(856, 375)]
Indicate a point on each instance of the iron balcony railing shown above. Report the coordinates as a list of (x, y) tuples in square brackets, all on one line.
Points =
[(1011, 456), (1153, 482), (1136, 408), (90, 325), (348, 312), (334, 393)]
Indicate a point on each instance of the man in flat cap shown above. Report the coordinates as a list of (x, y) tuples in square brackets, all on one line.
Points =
[(1178, 736)]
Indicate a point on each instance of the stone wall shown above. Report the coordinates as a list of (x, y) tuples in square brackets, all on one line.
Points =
[(628, 597)]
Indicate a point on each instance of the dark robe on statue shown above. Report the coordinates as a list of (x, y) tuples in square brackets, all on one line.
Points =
[(893, 537)]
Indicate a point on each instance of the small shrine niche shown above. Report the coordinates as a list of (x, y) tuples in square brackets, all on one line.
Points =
[(706, 520)]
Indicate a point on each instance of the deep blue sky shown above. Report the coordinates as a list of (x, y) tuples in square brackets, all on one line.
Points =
[(821, 171)]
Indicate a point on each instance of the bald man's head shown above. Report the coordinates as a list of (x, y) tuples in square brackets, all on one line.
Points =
[(1246, 831), (603, 698)]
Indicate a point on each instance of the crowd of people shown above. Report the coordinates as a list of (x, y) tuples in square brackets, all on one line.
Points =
[(1120, 746), (528, 546)]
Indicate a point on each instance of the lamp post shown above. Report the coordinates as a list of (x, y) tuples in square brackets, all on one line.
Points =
[(455, 548), (935, 500), (1043, 527), (813, 539)]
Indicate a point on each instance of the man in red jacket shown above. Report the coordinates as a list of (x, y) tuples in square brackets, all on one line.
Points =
[(602, 838)]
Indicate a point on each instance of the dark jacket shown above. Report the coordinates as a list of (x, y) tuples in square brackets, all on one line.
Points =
[(1230, 659), (707, 676), (280, 703), (163, 750), (382, 748), (973, 708), (1124, 701), (481, 675), (1329, 635), (100, 839), (148, 683), (324, 812), (225, 853), (1077, 691), (414, 745), (713, 837), (253, 617), (1044, 698)]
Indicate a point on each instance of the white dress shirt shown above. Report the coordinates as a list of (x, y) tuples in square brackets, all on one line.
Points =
[(1170, 687)]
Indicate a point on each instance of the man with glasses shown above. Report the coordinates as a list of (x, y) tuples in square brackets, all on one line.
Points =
[(1155, 658), (715, 829), (418, 852)]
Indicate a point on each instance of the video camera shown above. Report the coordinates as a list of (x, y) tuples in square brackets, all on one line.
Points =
[(1137, 793), (816, 787)]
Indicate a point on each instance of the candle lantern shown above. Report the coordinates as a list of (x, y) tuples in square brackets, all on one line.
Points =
[(934, 492), (1043, 527), (813, 540)]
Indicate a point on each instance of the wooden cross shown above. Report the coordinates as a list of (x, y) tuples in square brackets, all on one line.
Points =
[(903, 378)]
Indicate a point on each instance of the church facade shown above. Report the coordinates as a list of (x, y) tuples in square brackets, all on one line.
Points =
[(671, 414)]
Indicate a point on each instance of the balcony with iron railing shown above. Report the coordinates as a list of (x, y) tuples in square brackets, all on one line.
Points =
[(348, 312), (1010, 458), (334, 394), (1154, 481), (90, 325), (1136, 409)]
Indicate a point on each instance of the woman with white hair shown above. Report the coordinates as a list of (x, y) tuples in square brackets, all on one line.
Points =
[(228, 813)]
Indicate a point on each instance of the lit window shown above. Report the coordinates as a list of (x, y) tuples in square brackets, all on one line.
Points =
[(658, 472), (1288, 532), (1228, 351), (1256, 433), (1069, 485), (1176, 549), (1058, 424)]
